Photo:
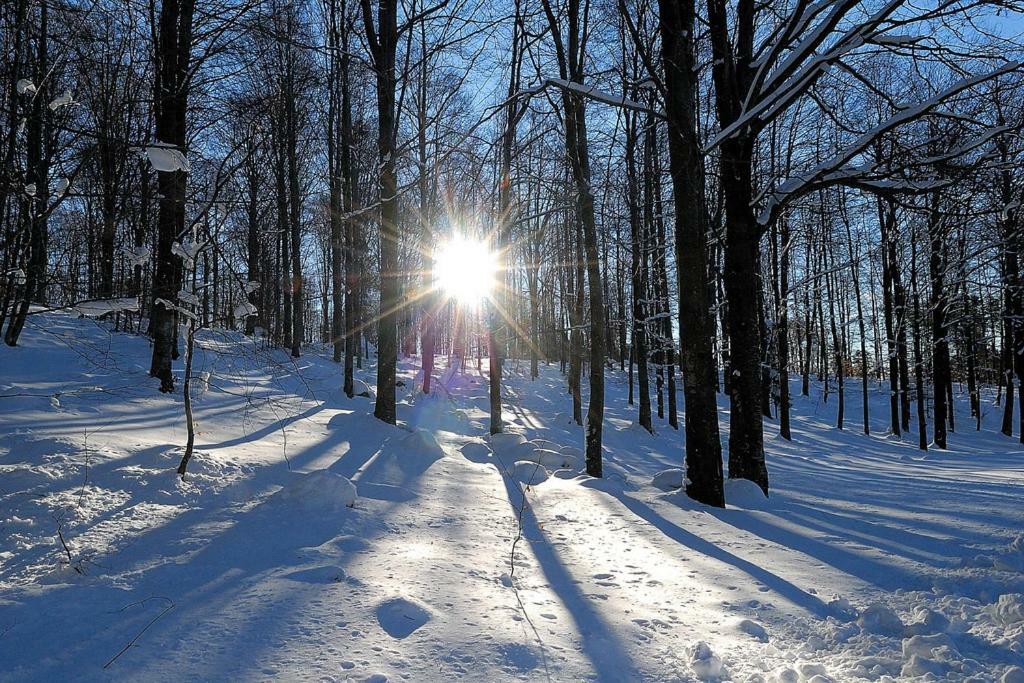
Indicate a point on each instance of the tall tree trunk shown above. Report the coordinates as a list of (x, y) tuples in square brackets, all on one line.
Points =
[(661, 274), (500, 308), (922, 425), (696, 325), (383, 40), (855, 277), (886, 220), (571, 59), (638, 271), (941, 380), (173, 69), (351, 224), (782, 329)]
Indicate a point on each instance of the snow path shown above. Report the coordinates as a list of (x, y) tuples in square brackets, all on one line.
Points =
[(233, 575)]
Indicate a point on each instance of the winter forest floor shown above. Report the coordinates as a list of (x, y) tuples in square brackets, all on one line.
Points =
[(870, 560)]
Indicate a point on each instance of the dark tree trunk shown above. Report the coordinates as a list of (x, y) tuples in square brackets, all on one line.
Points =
[(922, 424), (383, 40), (696, 325), (173, 53), (941, 376), (638, 271), (783, 329), (886, 221)]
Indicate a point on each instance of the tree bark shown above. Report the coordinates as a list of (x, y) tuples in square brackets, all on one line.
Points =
[(696, 325)]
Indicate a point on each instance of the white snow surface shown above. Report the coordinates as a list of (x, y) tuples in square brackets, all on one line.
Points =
[(166, 158), (869, 561)]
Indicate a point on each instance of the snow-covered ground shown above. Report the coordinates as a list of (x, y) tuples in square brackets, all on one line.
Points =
[(871, 560)]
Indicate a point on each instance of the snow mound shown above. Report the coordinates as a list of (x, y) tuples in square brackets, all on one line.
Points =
[(506, 442), (552, 460), (1008, 611), (927, 621), (400, 617), (669, 480), (476, 451), (361, 388), (544, 444), (813, 672), (422, 442), (572, 450), (873, 668), (705, 664), (936, 646), (743, 493), (922, 666), (1014, 674), (318, 490), (207, 474), (881, 620), (752, 629), (528, 472), (841, 609)]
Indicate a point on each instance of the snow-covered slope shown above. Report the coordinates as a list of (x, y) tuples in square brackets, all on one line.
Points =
[(870, 559)]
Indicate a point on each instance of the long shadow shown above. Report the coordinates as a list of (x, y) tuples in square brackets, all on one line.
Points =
[(781, 586), (228, 555), (884, 535), (886, 576), (599, 642), (258, 434)]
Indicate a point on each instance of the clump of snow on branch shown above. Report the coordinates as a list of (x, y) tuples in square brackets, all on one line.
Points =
[(62, 101), (244, 310), (187, 250), (100, 307), (166, 158), (62, 187), (138, 256)]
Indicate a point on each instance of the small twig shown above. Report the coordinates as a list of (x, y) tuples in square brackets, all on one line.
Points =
[(67, 550), (138, 635)]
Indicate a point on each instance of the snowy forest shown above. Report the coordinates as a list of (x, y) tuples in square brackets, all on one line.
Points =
[(565, 340)]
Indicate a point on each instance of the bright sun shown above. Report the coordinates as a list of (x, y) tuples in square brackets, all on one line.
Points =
[(465, 269)]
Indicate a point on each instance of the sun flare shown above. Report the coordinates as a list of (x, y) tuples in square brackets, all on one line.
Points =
[(465, 269)]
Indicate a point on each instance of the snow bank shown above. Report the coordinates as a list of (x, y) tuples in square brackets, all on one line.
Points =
[(476, 451), (1008, 610), (669, 480), (1014, 674), (927, 621), (506, 440), (422, 443), (400, 617), (317, 490), (528, 472), (752, 629), (572, 450), (881, 620), (743, 493), (550, 459)]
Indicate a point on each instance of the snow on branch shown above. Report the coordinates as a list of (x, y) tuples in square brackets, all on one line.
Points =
[(772, 91), (841, 169), (95, 308), (590, 92)]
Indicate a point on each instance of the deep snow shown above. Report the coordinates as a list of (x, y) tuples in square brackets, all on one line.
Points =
[(870, 560)]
